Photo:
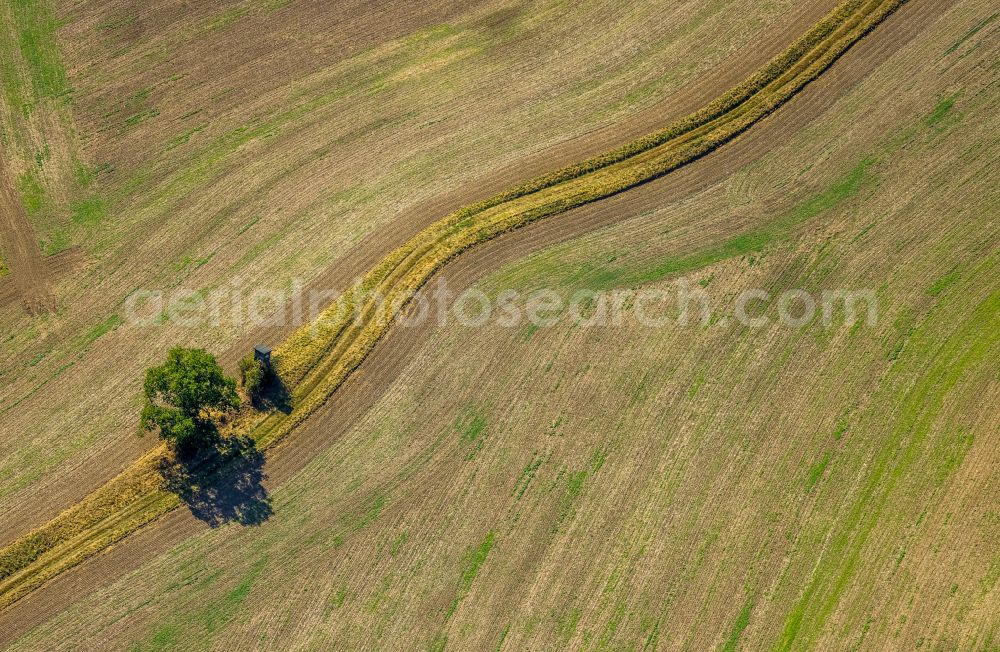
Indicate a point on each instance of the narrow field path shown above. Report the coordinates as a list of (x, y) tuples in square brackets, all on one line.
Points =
[(388, 357), (28, 270)]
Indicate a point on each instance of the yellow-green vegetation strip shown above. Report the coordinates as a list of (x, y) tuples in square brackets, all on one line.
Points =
[(315, 360)]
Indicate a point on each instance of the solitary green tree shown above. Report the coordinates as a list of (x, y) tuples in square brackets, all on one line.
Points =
[(179, 395)]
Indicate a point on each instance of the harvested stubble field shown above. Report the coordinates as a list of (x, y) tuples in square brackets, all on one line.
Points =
[(318, 358), (315, 361), (723, 487)]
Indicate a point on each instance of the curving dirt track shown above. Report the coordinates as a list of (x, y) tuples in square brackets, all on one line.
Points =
[(51, 267), (82, 479), (390, 355)]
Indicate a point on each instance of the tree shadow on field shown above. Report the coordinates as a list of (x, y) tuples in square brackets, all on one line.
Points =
[(222, 485), (273, 395)]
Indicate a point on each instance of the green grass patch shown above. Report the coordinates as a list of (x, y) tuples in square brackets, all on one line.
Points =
[(133, 184), (816, 471), (942, 114), (139, 97), (471, 424), (398, 543), (469, 566), (370, 515), (952, 453), (43, 155), (575, 483), (472, 563), (83, 175), (189, 265), (54, 241), (742, 620), (140, 117), (428, 35), (527, 475), (129, 104), (943, 283), (37, 40), (17, 96), (164, 638), (843, 424), (529, 331), (227, 18), (182, 139), (118, 23), (32, 192), (235, 597), (567, 623), (256, 250), (106, 326), (696, 384), (89, 211)]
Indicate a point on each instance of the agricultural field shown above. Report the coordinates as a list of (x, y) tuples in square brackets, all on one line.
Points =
[(203, 172), (704, 484)]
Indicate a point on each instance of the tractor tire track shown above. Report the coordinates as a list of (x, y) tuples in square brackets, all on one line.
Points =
[(28, 270)]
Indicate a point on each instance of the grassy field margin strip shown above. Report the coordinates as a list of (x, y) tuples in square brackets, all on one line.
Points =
[(315, 360)]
